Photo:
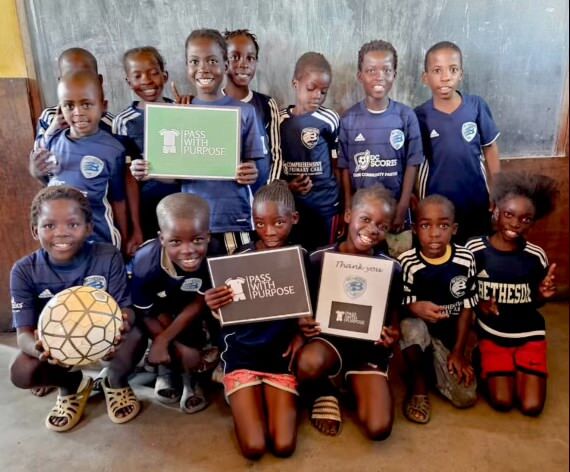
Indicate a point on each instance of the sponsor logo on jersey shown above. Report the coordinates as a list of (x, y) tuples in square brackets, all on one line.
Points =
[(364, 160), (469, 130), (91, 166), (46, 294), (359, 138), (17, 306), (191, 285), (458, 285), (397, 139), (96, 281), (354, 287), (310, 137), (434, 134)]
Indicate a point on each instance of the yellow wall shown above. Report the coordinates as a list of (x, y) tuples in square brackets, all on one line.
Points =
[(12, 59)]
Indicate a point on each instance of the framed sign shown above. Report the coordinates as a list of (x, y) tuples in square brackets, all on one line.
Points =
[(266, 285), (192, 142), (353, 295)]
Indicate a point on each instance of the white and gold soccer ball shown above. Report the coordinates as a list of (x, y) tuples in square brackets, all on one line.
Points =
[(78, 325)]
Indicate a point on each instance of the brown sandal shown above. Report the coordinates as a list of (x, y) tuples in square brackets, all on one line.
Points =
[(418, 409)]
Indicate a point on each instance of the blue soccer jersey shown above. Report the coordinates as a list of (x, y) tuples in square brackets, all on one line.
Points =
[(158, 286), (376, 147), (95, 165), (230, 202), (47, 116), (454, 165), (309, 143), (34, 279), (512, 279), (449, 283)]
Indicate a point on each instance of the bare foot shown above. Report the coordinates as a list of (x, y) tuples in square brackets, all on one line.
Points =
[(328, 427), (41, 391)]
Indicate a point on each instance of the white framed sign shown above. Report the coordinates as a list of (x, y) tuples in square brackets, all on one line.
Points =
[(266, 285), (353, 295)]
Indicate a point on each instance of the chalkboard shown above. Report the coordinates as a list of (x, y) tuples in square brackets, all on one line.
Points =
[(515, 52)]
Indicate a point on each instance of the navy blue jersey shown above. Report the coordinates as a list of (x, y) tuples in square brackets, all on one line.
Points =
[(95, 165), (47, 116), (230, 202), (158, 286), (34, 279), (316, 261), (452, 142), (376, 148), (451, 284), (512, 278), (309, 143)]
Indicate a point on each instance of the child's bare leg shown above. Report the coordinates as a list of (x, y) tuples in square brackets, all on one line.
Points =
[(501, 391), (531, 393), (249, 420), (282, 420), (315, 362), (374, 403), (416, 362), (189, 359)]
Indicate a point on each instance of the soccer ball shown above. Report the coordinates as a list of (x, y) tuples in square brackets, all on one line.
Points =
[(78, 325)]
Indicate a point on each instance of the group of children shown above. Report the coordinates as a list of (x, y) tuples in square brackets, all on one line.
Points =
[(307, 176)]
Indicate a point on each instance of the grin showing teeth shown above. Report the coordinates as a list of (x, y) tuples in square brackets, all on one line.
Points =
[(365, 239)]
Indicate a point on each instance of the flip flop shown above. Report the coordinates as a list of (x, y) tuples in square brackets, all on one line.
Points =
[(119, 398), (327, 408), (192, 390), (70, 407), (164, 384), (418, 409)]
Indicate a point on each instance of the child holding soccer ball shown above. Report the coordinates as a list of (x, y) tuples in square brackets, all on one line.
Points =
[(61, 219)]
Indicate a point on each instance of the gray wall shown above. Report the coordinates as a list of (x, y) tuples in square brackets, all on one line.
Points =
[(515, 52)]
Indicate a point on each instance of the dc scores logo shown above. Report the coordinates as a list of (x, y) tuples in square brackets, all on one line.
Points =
[(354, 287), (310, 137), (169, 140)]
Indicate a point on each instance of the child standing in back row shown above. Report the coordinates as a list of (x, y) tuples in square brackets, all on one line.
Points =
[(309, 139), (380, 140), (459, 138)]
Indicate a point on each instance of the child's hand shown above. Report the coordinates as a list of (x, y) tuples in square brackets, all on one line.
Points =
[(42, 162), (158, 354), (139, 169), (388, 336), (180, 99), (58, 123), (489, 307), (301, 184), (218, 297), (428, 311), (247, 173), (309, 327), (547, 287), (133, 243), (45, 356), (399, 219), (458, 366)]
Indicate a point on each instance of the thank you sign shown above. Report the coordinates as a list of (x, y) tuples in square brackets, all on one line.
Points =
[(192, 142), (353, 295), (266, 285)]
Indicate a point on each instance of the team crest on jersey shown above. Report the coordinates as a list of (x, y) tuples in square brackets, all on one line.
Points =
[(469, 130), (310, 137), (354, 287), (458, 285), (397, 139), (91, 166), (95, 281), (191, 285)]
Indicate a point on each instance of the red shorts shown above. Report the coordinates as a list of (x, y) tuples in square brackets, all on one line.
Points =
[(497, 360), (243, 378)]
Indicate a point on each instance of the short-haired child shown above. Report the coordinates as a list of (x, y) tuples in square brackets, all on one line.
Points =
[(229, 200), (459, 140), (169, 279), (86, 157), (514, 279), (363, 365), (243, 54), (261, 390), (379, 138), (309, 140), (440, 292), (61, 220), (146, 75)]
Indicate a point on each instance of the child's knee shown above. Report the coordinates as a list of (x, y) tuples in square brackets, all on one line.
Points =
[(463, 397), (501, 401), (531, 407), (309, 365), (253, 448), (379, 429), (283, 447), (414, 332), (21, 373)]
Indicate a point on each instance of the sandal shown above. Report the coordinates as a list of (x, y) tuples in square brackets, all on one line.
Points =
[(118, 399), (418, 409), (70, 407), (167, 389), (192, 390), (326, 408)]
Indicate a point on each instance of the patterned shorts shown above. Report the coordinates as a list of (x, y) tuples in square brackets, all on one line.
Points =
[(242, 378)]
